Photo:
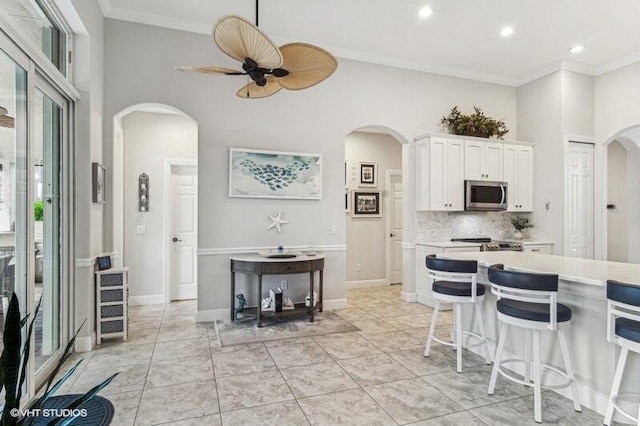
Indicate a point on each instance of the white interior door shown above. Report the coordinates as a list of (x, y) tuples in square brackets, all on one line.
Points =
[(580, 200), (394, 252), (183, 233)]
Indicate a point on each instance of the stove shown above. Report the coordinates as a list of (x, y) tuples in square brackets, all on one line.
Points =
[(487, 244)]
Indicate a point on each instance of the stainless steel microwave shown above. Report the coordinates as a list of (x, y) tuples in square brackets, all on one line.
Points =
[(485, 196)]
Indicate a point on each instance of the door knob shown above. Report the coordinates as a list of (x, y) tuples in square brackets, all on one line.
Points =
[(176, 239), (392, 235)]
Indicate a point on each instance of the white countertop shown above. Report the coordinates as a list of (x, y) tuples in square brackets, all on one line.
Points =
[(584, 271), (251, 257)]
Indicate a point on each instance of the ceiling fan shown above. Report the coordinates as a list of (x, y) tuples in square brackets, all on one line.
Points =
[(293, 66), (5, 120)]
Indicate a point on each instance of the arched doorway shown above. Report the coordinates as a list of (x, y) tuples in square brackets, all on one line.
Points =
[(154, 156), (374, 209), (623, 195)]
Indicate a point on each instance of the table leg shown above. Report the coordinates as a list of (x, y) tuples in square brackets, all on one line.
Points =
[(233, 291), (259, 310), (311, 309), (320, 290)]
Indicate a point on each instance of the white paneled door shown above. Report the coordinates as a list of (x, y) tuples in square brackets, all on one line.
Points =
[(394, 262), (183, 230), (580, 200)]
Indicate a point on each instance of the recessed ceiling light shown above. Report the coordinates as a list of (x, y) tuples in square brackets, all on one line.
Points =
[(425, 12), (506, 31), (577, 48)]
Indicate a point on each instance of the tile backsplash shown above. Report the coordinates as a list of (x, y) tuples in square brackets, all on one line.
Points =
[(442, 226)]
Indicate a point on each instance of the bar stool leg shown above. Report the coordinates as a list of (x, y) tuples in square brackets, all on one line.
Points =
[(537, 385), (432, 329), (617, 378), (527, 355), (567, 365), (457, 308), (483, 332), (498, 358)]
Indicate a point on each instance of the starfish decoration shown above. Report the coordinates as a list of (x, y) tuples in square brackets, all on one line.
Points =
[(277, 222)]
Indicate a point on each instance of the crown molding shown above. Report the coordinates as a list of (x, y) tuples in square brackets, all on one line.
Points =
[(614, 65), (105, 6), (111, 12), (155, 20)]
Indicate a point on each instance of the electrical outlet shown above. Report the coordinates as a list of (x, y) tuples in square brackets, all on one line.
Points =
[(358, 267), (284, 284), (334, 229)]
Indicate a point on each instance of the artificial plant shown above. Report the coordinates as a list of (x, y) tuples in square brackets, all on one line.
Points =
[(476, 124)]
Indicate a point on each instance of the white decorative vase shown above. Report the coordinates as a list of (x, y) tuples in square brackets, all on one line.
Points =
[(518, 235)]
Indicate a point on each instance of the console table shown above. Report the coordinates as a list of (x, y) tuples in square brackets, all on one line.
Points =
[(259, 265)]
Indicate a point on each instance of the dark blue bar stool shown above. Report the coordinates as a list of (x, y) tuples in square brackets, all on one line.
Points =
[(530, 301), (454, 281), (623, 329)]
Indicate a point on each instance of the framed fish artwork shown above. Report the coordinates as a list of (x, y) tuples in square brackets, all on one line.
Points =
[(274, 174)]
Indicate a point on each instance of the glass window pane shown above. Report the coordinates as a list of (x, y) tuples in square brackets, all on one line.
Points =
[(47, 216), (32, 19), (13, 185)]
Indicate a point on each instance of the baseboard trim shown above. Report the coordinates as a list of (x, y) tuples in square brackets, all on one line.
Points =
[(408, 297), (85, 344), (335, 304), (213, 315), (146, 300), (367, 283)]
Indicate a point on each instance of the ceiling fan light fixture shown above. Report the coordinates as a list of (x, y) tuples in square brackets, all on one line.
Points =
[(294, 66)]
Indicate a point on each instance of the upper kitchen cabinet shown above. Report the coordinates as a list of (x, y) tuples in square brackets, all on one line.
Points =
[(518, 173), (483, 160), (440, 174)]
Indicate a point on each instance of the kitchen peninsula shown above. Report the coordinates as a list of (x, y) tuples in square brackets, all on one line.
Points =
[(582, 286)]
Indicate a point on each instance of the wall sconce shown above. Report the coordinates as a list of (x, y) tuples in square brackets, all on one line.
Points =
[(143, 193)]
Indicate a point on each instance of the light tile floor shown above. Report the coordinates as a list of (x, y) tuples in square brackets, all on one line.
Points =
[(174, 373)]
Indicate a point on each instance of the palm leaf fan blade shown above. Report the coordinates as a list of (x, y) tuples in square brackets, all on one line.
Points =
[(240, 39), (5, 120), (209, 70), (253, 91), (307, 65)]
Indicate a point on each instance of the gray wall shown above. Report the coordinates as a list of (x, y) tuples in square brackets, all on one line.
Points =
[(148, 139), (540, 121), (88, 73), (366, 236), (139, 67)]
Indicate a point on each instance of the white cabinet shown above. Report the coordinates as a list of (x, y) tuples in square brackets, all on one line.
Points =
[(483, 160), (423, 281), (518, 173), (112, 303), (440, 174)]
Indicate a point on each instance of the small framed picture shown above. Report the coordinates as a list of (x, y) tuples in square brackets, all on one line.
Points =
[(368, 174), (103, 262), (98, 183), (367, 203), (347, 201)]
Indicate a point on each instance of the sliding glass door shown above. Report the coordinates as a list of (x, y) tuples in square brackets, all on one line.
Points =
[(47, 177), (35, 206)]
